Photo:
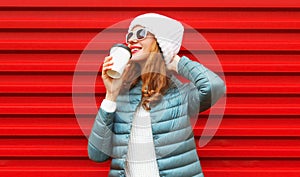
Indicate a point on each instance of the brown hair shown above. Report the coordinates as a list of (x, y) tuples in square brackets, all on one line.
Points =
[(153, 75)]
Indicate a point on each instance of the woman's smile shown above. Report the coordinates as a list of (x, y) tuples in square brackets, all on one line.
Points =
[(135, 48)]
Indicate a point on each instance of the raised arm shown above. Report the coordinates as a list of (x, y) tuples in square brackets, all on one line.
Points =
[(101, 134), (209, 85)]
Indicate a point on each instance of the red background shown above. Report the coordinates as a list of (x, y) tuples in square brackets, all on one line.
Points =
[(256, 41)]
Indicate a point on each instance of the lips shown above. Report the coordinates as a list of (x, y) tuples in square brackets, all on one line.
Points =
[(135, 49)]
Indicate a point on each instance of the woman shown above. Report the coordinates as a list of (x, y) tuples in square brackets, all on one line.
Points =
[(144, 121)]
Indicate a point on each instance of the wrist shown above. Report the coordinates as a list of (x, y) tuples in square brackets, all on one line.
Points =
[(173, 65), (111, 96)]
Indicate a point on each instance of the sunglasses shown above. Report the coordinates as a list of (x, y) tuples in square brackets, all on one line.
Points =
[(139, 35)]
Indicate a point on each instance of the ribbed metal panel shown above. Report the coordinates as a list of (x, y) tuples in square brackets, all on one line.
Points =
[(257, 42)]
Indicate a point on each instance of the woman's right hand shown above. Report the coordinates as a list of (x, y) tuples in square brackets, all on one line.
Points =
[(112, 86)]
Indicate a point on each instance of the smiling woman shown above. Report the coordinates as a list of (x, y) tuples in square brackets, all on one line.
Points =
[(144, 121)]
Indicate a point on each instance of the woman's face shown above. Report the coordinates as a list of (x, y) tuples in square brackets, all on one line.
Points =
[(140, 48)]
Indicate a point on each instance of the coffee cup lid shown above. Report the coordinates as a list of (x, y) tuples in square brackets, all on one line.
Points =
[(123, 46)]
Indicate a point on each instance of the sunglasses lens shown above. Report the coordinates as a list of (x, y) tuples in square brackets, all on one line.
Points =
[(129, 35), (141, 34)]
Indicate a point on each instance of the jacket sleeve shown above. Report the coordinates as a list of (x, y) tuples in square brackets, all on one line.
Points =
[(209, 86), (99, 142)]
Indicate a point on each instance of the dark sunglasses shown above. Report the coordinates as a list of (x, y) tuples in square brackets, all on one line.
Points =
[(139, 34)]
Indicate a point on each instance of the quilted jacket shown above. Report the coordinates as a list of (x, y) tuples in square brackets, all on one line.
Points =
[(170, 121)]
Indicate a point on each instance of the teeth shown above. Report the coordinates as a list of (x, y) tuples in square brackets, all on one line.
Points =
[(134, 50)]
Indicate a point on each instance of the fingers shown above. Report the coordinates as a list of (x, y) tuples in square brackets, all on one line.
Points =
[(107, 58), (107, 64)]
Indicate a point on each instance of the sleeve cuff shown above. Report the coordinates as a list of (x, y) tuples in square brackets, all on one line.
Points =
[(108, 106)]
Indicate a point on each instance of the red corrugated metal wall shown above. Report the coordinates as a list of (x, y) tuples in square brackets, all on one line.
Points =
[(257, 43)]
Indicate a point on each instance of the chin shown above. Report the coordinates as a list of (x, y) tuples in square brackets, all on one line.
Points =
[(138, 57)]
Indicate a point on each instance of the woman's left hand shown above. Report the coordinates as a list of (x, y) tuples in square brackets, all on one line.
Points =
[(173, 63)]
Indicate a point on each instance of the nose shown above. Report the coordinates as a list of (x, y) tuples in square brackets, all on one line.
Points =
[(132, 41)]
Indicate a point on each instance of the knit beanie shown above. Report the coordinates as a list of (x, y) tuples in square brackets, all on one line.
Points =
[(167, 31)]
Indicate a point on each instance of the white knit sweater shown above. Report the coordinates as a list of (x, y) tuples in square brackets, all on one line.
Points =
[(141, 159)]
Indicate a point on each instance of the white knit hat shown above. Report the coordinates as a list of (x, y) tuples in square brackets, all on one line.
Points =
[(167, 31)]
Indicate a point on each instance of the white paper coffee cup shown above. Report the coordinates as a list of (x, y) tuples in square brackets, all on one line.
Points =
[(120, 56)]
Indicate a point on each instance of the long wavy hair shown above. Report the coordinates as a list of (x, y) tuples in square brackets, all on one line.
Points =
[(154, 77)]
